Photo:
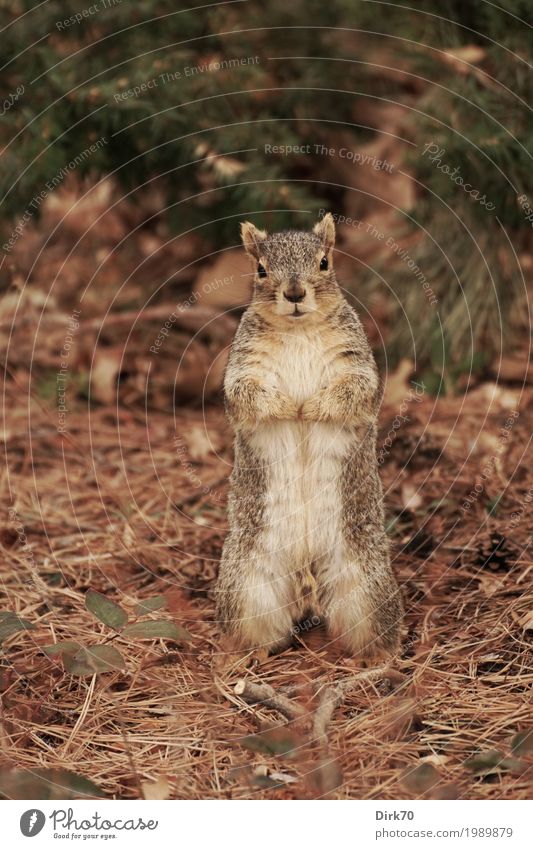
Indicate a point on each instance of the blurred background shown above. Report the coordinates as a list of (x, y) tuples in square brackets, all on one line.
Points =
[(136, 136)]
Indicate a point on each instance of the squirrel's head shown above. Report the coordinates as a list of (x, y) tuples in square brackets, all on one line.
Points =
[(293, 270)]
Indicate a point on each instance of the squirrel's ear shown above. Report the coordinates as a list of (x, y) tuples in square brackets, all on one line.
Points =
[(252, 239), (325, 230)]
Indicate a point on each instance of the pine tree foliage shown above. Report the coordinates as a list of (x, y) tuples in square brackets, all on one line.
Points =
[(186, 99), (477, 115)]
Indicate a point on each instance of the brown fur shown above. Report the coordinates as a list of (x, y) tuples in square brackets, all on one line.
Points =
[(305, 512)]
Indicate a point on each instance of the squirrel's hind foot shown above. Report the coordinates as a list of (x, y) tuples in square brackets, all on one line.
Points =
[(234, 658)]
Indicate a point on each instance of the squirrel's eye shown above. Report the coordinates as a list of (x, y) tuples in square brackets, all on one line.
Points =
[(261, 270), (324, 263)]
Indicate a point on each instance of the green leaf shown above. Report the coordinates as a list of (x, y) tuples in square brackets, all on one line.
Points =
[(522, 743), (439, 353), (10, 623), (484, 761), (107, 611), (514, 765), (156, 628), (94, 660), (63, 647), (46, 784), (6, 614), (494, 504), (490, 761), (148, 605), (478, 361), (9, 616), (434, 383)]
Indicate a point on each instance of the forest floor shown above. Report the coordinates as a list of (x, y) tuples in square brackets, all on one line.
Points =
[(124, 493), (131, 503)]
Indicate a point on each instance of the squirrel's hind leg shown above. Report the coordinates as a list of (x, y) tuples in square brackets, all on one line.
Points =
[(363, 609), (253, 605)]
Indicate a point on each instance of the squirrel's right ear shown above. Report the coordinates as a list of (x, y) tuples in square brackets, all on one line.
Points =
[(325, 230), (252, 239)]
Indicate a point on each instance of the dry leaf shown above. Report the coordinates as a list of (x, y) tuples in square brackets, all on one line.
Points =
[(471, 53), (226, 283), (198, 443), (411, 498), (154, 790), (283, 777), (128, 535), (105, 370), (491, 584), (397, 386), (527, 621)]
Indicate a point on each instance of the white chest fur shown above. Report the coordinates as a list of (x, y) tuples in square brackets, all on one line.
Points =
[(303, 461), (300, 365)]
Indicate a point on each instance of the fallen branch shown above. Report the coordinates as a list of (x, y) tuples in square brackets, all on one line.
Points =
[(267, 695), (334, 695), (194, 319)]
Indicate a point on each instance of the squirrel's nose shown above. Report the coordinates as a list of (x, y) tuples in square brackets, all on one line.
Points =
[(294, 294)]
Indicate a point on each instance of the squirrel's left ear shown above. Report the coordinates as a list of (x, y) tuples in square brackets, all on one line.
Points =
[(252, 239), (325, 230)]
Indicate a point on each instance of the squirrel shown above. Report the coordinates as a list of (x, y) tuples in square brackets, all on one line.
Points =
[(306, 519)]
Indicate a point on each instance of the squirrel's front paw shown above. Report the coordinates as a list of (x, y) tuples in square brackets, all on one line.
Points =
[(284, 407), (269, 404), (311, 410)]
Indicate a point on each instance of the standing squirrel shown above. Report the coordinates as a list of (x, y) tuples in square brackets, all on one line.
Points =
[(305, 509)]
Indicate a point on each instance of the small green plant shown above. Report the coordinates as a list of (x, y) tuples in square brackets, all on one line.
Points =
[(46, 784), (494, 761), (10, 623), (93, 660)]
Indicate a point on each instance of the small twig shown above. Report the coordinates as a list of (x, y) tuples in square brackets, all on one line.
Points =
[(333, 697), (266, 695)]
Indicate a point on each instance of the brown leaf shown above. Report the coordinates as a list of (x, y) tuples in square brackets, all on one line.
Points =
[(462, 58), (514, 368), (198, 442), (225, 283), (104, 374), (492, 584), (411, 498), (397, 386), (154, 790), (273, 741), (527, 621), (421, 779)]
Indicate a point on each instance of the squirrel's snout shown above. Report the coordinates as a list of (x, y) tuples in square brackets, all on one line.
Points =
[(295, 294)]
